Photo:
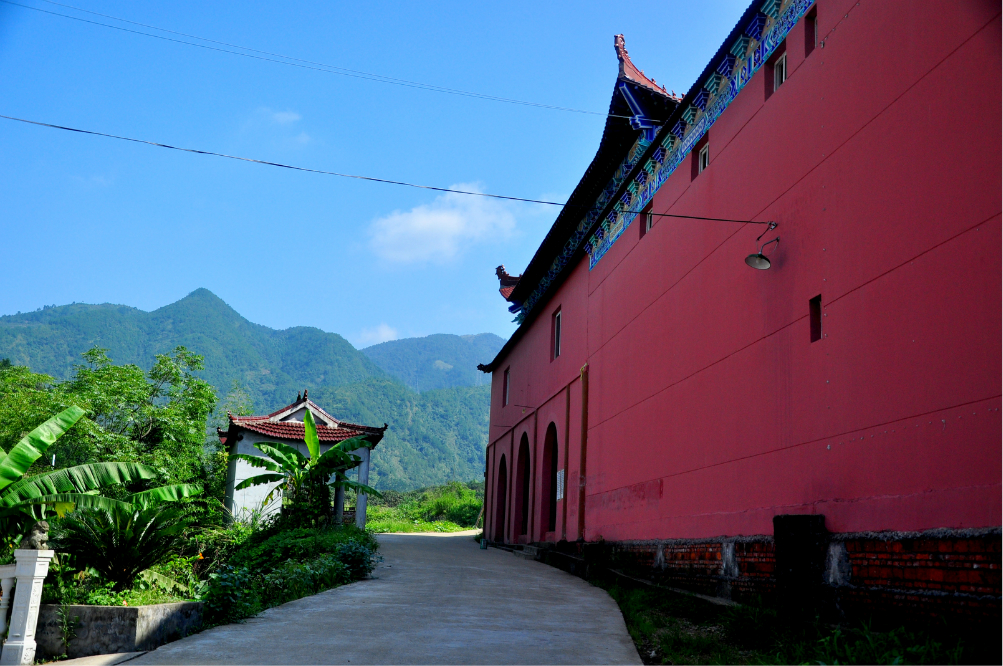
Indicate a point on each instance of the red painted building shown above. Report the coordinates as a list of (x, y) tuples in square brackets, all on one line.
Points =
[(663, 396)]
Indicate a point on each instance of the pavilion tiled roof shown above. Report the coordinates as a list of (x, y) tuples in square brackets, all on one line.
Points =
[(329, 429), (294, 429)]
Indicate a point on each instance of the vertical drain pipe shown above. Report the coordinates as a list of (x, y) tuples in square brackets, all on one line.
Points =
[(567, 438), (585, 439)]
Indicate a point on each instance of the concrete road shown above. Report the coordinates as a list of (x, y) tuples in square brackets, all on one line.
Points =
[(434, 600)]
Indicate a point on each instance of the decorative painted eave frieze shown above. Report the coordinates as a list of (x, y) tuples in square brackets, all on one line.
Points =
[(763, 34)]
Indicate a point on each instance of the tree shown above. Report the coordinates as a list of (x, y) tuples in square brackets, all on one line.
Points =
[(156, 418), (306, 481)]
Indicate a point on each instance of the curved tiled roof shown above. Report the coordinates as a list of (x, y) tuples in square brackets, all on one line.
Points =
[(281, 425), (294, 429)]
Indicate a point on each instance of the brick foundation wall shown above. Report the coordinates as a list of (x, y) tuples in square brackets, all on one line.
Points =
[(965, 565), (895, 577), (755, 564)]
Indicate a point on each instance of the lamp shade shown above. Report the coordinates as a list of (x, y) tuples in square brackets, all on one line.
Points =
[(758, 261)]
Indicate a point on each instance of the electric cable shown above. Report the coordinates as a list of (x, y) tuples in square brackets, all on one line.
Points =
[(374, 179), (279, 164), (296, 62)]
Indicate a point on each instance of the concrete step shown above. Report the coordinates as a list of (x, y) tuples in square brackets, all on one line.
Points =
[(527, 552)]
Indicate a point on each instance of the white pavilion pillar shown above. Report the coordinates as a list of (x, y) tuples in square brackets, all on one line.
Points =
[(30, 570), (360, 503)]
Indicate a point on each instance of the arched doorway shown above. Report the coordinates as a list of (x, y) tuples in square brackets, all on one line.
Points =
[(522, 480), (548, 507), (501, 497)]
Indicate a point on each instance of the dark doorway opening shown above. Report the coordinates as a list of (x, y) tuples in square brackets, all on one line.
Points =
[(522, 480), (501, 492), (548, 514)]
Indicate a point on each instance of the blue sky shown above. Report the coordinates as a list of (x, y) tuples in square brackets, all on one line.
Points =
[(87, 219)]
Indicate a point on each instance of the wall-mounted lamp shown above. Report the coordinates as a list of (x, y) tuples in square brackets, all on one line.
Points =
[(759, 260)]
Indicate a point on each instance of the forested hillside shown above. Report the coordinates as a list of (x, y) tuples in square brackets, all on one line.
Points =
[(435, 435), (437, 361)]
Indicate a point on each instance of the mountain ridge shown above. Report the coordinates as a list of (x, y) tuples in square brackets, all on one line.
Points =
[(437, 434)]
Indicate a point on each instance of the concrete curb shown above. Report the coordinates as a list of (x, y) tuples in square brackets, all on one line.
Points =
[(102, 659)]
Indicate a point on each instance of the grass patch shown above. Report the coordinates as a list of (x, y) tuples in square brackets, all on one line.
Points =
[(673, 628), (453, 507)]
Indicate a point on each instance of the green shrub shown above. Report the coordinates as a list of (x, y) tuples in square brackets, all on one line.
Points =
[(293, 580), (230, 595), (266, 550), (271, 568)]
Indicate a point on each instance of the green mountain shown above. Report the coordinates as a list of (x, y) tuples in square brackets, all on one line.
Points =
[(437, 361), (434, 436)]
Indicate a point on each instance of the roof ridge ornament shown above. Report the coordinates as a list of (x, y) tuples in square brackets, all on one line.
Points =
[(506, 282), (630, 71)]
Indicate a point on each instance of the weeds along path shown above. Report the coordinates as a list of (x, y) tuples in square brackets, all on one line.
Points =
[(433, 600)]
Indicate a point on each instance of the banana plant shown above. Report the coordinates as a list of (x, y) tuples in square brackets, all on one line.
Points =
[(293, 472), (27, 498)]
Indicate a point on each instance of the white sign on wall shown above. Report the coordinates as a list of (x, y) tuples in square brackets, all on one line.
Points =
[(560, 484)]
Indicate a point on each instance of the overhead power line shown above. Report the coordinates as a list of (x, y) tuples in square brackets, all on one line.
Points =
[(373, 179), (292, 61), (276, 163)]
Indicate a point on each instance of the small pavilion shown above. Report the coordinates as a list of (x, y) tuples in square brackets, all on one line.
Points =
[(286, 426)]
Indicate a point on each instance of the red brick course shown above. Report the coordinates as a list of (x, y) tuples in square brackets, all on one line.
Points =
[(970, 565)]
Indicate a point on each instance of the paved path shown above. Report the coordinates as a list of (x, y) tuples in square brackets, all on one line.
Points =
[(434, 599)]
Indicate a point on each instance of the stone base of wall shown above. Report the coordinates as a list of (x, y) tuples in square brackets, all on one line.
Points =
[(111, 629), (886, 577)]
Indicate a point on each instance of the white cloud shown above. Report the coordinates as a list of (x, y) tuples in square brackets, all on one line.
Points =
[(283, 117), (94, 181), (374, 336), (443, 229)]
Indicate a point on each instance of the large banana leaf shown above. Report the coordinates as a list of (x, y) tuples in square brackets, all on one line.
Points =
[(287, 456), (34, 444), (66, 502), (359, 487), (310, 436), (342, 451), (259, 480), (74, 480), (258, 461), (171, 493)]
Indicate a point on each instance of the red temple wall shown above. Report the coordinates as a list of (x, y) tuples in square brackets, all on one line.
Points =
[(709, 409)]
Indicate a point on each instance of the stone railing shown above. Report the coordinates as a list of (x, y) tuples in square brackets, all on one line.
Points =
[(29, 570)]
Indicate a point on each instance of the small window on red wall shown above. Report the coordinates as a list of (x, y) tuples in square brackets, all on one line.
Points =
[(647, 220), (555, 335), (505, 384), (776, 69), (810, 31), (815, 317), (701, 155)]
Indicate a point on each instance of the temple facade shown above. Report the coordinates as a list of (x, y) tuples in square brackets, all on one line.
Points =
[(759, 349), (286, 426)]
